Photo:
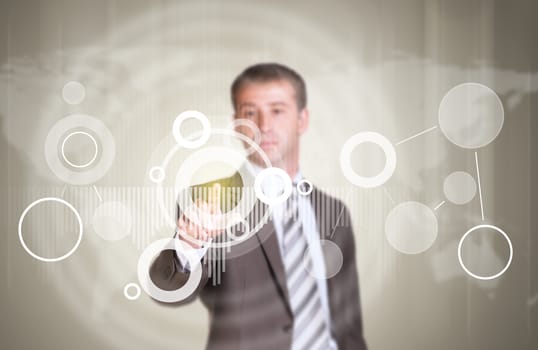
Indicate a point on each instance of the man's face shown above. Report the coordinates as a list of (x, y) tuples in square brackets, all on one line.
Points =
[(272, 106)]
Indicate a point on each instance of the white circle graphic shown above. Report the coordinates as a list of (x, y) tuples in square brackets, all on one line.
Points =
[(371, 181), (411, 227), (112, 221), (134, 286), (471, 115), (94, 145), (333, 259), (146, 259), (80, 229), (156, 174), (270, 174), (206, 129), (73, 92), (459, 187), (300, 187), (485, 278)]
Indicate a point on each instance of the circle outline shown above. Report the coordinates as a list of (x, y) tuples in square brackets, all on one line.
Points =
[(299, 189), (495, 228), (94, 143), (135, 286), (52, 199)]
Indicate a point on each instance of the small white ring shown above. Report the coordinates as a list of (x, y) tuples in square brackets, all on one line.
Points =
[(137, 291), (288, 186), (300, 190), (160, 174), (370, 181), (191, 144)]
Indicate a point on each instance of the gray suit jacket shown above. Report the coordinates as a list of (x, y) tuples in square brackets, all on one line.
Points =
[(249, 309)]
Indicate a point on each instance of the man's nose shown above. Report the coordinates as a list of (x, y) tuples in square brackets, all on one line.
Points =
[(264, 122)]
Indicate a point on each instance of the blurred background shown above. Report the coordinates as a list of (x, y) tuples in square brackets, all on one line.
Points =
[(130, 67)]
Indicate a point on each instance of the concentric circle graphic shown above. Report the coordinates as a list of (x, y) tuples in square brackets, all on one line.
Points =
[(201, 157), (96, 147), (87, 125), (80, 228), (471, 230), (471, 115), (144, 263), (370, 181)]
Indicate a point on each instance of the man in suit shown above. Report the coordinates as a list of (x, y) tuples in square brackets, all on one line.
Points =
[(268, 296)]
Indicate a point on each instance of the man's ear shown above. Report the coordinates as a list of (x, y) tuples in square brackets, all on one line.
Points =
[(304, 119)]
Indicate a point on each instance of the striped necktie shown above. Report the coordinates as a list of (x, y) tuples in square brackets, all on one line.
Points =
[(310, 329)]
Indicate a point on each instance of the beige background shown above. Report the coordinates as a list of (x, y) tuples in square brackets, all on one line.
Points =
[(369, 65)]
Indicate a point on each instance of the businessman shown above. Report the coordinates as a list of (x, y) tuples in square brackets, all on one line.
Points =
[(268, 297)]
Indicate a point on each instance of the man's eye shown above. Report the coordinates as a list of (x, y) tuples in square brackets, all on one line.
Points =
[(249, 114), (277, 111)]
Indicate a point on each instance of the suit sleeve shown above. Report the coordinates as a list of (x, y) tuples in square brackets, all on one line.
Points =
[(354, 338)]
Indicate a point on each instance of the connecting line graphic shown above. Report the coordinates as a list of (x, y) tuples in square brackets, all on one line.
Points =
[(439, 205), (97, 193), (416, 135), (388, 195), (63, 191), (479, 186)]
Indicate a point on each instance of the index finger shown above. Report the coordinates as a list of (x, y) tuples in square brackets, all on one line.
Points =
[(214, 198)]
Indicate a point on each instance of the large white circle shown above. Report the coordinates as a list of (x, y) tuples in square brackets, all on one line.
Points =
[(94, 145), (411, 227), (244, 206), (80, 228), (471, 115), (55, 160), (478, 276), (459, 187), (157, 293), (73, 92), (370, 181), (267, 173), (191, 144)]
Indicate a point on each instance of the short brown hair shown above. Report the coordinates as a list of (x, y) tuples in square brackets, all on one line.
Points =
[(265, 72)]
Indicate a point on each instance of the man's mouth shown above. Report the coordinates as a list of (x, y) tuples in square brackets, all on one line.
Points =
[(267, 144)]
